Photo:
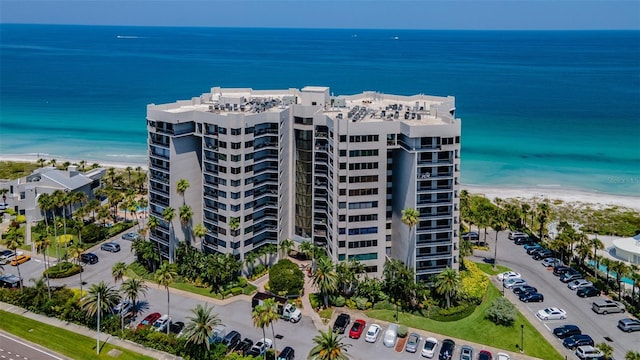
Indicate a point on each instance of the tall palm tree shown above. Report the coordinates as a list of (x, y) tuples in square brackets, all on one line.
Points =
[(108, 295), (410, 217), (498, 224), (168, 214), (632, 355), (271, 315), (199, 327), (329, 346), (606, 349), (76, 254), (635, 278), (185, 214), (41, 162), (261, 320), (82, 165), (543, 216), (42, 244), (118, 270), (285, 246), (250, 259), (447, 283), (199, 232), (622, 270), (132, 289), (152, 222), (13, 240), (52, 162), (607, 263), (164, 277), (181, 188), (39, 291), (325, 279), (597, 245)]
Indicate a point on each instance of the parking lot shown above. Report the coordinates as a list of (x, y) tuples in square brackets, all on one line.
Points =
[(602, 328)]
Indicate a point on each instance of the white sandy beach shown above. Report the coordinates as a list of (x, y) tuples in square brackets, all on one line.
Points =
[(60, 160), (594, 199)]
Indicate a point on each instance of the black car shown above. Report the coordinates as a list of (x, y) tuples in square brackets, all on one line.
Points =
[(543, 254), (588, 291), (446, 350), (232, 339), (531, 297), (89, 258), (524, 289), (286, 354), (341, 323), (533, 250), (244, 346), (560, 269), (471, 236), (573, 341), (176, 327), (565, 331), (521, 240), (570, 276)]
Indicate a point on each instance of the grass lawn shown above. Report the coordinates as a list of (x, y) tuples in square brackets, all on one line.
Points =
[(196, 290), (59, 340), (488, 268), (480, 330)]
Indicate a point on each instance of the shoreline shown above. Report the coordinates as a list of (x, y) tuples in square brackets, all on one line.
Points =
[(584, 197)]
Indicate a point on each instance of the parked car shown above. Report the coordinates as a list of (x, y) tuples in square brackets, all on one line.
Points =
[(260, 347), (232, 339), (589, 352), (573, 341), (551, 313), (576, 284), (515, 234), (6, 255), (357, 328), (629, 325), (471, 236), (509, 275), (502, 356), (372, 333), (570, 276), (542, 254), (446, 350), (161, 324), (244, 346), (560, 269), (149, 320), (176, 327), (588, 291), (466, 352), (531, 297), (110, 247), (131, 236), (509, 283), (533, 248), (123, 308), (522, 240), (341, 323), (484, 355), (286, 354), (607, 307), (390, 336), (523, 289), (551, 262), (20, 259), (412, 343), (565, 331), (429, 347), (89, 258)]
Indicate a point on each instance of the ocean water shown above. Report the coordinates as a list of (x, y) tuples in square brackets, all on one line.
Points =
[(548, 108)]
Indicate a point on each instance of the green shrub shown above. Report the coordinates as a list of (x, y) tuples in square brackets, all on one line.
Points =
[(236, 291), (473, 284), (453, 313), (286, 277), (138, 269), (117, 228), (350, 304), (242, 281), (383, 305), (316, 300), (62, 270), (402, 331), (361, 302), (338, 301), (93, 233), (502, 312)]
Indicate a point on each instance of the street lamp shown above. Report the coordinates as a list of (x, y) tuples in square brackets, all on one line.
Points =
[(521, 338), (502, 287)]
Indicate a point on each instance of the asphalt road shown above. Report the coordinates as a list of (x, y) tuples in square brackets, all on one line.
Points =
[(14, 348), (602, 328)]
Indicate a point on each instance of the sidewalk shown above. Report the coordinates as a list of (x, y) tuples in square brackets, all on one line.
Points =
[(78, 329)]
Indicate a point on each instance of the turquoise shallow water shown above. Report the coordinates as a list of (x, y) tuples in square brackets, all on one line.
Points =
[(538, 108)]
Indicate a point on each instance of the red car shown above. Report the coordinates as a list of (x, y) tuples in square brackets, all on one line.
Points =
[(149, 320), (357, 328), (485, 355)]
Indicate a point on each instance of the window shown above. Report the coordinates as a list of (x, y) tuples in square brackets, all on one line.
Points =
[(343, 166), (236, 131), (363, 138), (302, 121), (343, 191), (362, 179), (358, 218), (364, 231), (361, 257), (343, 138), (343, 179), (248, 156), (235, 195), (363, 205), (363, 166), (236, 158), (235, 170), (354, 153), (235, 145), (248, 144), (235, 207), (363, 192), (343, 152), (249, 130), (235, 183), (363, 243)]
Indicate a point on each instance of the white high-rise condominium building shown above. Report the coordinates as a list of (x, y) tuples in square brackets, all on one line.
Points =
[(310, 166)]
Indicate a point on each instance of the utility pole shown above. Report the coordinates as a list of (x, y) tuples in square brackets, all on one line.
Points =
[(98, 327)]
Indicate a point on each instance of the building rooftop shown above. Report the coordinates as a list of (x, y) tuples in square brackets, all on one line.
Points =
[(368, 106)]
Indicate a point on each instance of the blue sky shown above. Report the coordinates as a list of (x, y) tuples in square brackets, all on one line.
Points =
[(376, 14)]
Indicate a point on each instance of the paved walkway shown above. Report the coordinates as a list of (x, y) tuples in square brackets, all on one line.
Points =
[(78, 329)]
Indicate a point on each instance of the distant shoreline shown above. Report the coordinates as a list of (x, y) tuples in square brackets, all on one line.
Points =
[(556, 193)]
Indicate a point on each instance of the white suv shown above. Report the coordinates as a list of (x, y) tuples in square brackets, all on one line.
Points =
[(589, 352)]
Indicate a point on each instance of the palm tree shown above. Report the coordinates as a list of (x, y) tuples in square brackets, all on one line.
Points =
[(199, 232), (329, 346), (632, 355), (168, 214), (185, 214), (325, 279), (42, 244), (606, 262), (82, 164), (635, 277), (152, 222), (181, 188), (543, 216), (285, 246), (164, 277), (260, 320), (306, 248), (76, 254), (41, 162), (621, 269), (52, 162), (606, 349), (447, 283), (108, 295), (199, 327), (410, 217), (39, 291), (498, 224), (13, 240), (597, 245), (132, 288), (250, 259), (118, 270), (271, 315)]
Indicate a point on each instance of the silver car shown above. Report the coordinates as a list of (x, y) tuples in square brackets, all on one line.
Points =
[(466, 353), (412, 343)]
